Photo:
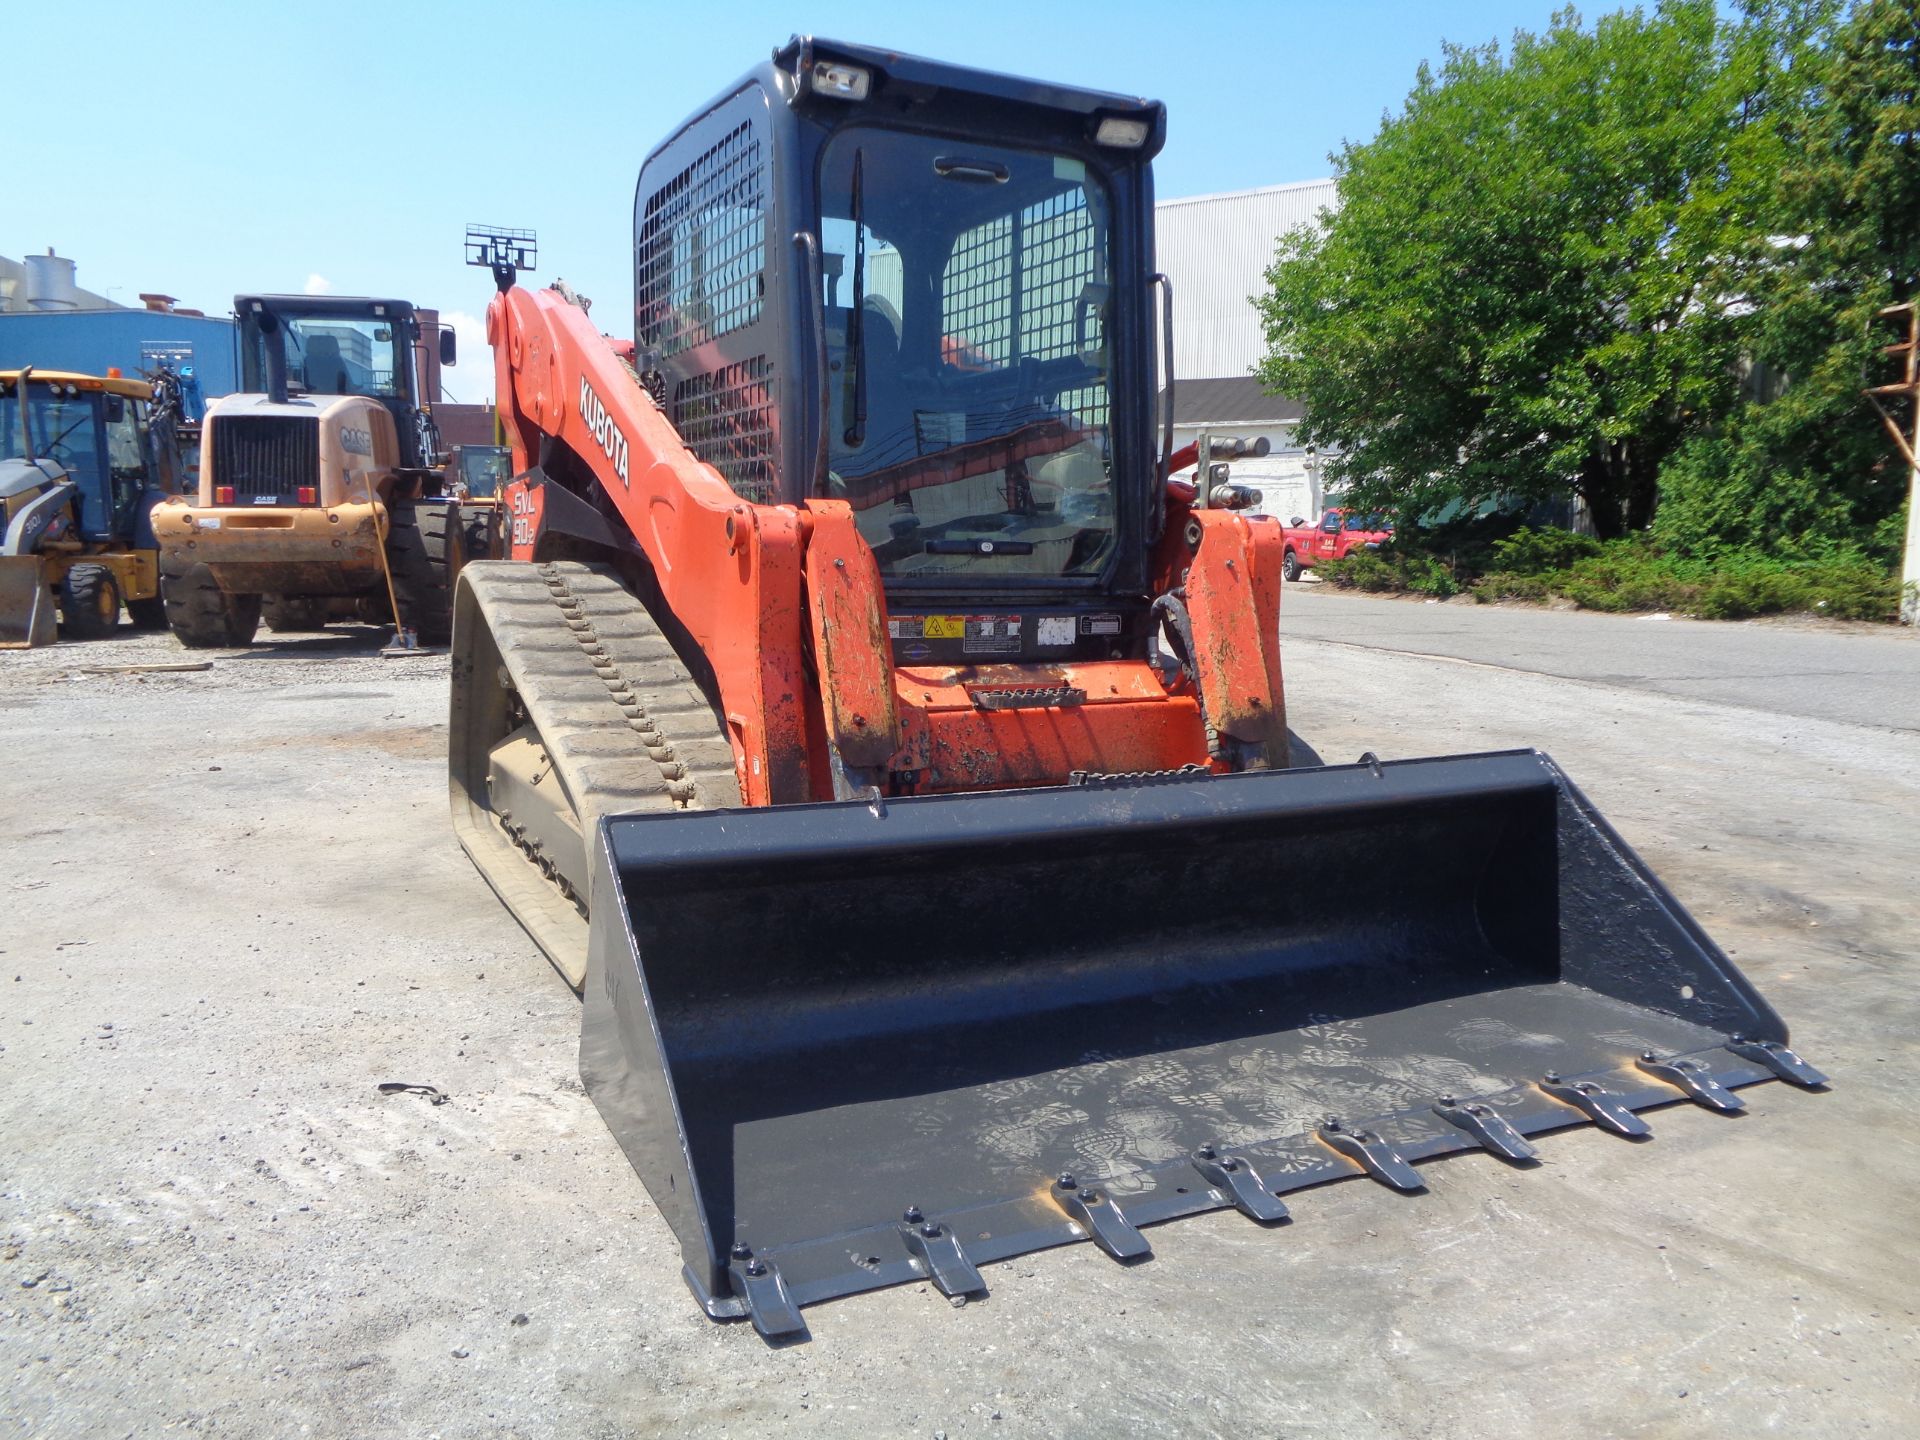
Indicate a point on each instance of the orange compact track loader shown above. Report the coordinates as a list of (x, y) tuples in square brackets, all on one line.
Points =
[(925, 913)]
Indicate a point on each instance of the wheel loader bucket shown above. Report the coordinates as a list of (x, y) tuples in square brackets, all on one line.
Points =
[(26, 603), (852, 1045)]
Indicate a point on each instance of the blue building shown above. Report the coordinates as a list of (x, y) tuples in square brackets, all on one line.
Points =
[(49, 322), (90, 341)]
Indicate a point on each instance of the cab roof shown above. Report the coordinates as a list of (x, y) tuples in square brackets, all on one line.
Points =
[(134, 389), (323, 304)]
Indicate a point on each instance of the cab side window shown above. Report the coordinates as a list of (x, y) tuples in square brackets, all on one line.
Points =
[(126, 461)]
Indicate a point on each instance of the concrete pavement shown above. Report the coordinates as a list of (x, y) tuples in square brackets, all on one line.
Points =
[(1853, 673), (233, 907)]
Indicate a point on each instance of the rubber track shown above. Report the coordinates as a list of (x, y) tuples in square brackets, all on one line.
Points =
[(688, 761), (624, 724)]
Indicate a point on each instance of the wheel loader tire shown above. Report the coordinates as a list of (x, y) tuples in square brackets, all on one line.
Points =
[(148, 614), (202, 615), (1290, 566), (477, 524), (425, 550), (293, 614), (89, 603)]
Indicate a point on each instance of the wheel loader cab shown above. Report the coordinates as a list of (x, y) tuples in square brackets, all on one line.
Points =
[(292, 346), (924, 291)]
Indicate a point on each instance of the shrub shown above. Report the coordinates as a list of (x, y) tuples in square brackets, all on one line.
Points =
[(1631, 575), (1388, 570), (1637, 573), (1537, 552), (1737, 591), (1505, 585)]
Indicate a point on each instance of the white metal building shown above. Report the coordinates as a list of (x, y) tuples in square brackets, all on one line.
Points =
[(1216, 249)]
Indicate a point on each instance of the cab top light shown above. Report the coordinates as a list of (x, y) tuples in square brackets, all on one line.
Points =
[(842, 82), (1122, 133)]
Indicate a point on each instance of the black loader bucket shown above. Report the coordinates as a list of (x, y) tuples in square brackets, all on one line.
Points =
[(853, 1045)]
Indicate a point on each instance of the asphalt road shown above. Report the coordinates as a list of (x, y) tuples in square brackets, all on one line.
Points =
[(1856, 674), (232, 908)]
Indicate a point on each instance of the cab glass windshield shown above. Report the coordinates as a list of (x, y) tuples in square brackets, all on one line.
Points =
[(336, 355), (485, 468), (61, 425), (966, 293)]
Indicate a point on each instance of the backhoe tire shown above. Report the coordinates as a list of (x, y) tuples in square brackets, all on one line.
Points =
[(89, 603), (293, 614), (1290, 566), (148, 614), (201, 615), (425, 550)]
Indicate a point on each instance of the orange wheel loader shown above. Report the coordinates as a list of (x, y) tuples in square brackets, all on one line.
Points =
[(815, 732)]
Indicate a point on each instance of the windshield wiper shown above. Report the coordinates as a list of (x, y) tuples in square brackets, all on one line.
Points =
[(856, 328)]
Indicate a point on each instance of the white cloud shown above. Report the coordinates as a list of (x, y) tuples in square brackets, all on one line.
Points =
[(317, 285), (470, 381)]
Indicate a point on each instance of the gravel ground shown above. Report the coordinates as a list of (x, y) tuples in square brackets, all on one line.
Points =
[(234, 908)]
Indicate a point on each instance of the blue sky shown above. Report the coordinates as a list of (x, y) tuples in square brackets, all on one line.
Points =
[(205, 148)]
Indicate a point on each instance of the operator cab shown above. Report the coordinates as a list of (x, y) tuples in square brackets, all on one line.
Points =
[(922, 290), (326, 345), (97, 435)]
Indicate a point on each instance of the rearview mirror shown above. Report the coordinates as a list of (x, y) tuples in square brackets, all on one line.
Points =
[(448, 345), (116, 408)]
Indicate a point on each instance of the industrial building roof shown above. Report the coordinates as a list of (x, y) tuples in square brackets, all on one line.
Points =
[(1235, 400)]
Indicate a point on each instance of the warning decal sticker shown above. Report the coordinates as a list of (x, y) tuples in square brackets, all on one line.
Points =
[(977, 634), (992, 635)]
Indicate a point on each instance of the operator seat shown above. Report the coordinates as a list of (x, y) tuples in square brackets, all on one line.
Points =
[(881, 341), (326, 369)]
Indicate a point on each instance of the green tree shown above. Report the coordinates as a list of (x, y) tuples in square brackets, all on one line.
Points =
[(1524, 286), (1804, 459)]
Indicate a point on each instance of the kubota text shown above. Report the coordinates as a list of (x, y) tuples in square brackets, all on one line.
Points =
[(606, 434)]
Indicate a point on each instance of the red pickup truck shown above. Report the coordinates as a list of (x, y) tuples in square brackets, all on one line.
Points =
[(1339, 534)]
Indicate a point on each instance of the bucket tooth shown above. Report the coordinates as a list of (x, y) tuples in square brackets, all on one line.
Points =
[(1239, 1182), (1487, 1125), (1779, 1059), (1599, 1104), (1371, 1154), (769, 1306), (1103, 1220), (935, 1246), (1695, 1079)]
